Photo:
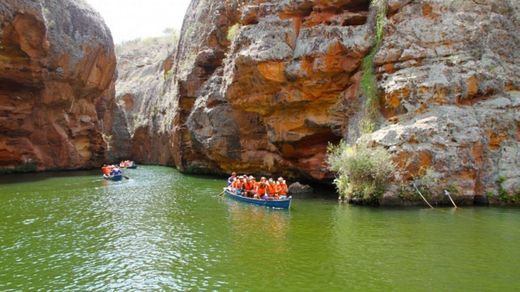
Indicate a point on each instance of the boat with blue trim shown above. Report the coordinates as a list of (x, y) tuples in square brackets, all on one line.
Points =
[(114, 177), (270, 203)]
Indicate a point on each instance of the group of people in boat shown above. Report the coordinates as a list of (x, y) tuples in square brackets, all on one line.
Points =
[(110, 170), (248, 186), (126, 163)]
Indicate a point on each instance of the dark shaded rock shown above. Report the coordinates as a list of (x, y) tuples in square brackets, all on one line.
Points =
[(299, 189)]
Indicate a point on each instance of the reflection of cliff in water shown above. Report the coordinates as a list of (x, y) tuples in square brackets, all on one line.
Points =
[(251, 224)]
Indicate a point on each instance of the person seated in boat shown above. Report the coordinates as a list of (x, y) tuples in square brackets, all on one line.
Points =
[(257, 184), (238, 185), (249, 186), (115, 171), (105, 170), (108, 169), (234, 183), (243, 183), (271, 189), (261, 189), (283, 189), (231, 179)]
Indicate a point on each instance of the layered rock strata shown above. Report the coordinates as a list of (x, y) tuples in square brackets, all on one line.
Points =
[(57, 67), (266, 85), (450, 96), (260, 85)]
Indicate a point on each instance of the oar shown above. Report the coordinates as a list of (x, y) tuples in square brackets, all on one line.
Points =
[(126, 177), (446, 193), (223, 191), (422, 195)]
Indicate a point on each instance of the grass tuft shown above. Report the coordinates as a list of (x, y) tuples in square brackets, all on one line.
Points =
[(363, 173), (368, 123)]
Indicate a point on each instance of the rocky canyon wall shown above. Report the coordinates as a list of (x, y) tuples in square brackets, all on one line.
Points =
[(260, 85), (57, 67), (266, 85), (450, 96), (140, 128)]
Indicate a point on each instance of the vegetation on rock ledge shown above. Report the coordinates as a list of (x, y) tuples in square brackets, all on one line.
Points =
[(363, 173), (368, 79)]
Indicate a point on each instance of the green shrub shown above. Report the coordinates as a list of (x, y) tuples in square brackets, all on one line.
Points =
[(405, 193), (362, 172), (453, 189), (503, 195), (368, 79)]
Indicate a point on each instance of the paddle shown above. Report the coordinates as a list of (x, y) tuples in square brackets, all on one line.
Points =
[(126, 177), (222, 193)]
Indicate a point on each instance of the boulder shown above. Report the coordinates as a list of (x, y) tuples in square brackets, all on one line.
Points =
[(299, 189)]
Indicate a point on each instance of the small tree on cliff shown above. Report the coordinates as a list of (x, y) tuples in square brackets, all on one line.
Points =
[(363, 173)]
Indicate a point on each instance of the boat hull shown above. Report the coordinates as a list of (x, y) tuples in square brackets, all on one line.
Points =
[(276, 204), (114, 177)]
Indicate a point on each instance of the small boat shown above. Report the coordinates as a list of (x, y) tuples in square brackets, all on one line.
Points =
[(128, 164), (116, 177), (277, 204)]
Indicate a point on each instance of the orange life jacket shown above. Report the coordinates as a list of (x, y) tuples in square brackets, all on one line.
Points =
[(249, 186), (283, 189), (271, 189), (260, 189)]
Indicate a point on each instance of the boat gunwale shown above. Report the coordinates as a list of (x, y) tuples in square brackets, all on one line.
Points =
[(260, 202)]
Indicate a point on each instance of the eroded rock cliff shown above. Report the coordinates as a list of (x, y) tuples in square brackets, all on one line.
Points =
[(450, 95), (260, 85), (57, 67), (139, 128), (266, 85)]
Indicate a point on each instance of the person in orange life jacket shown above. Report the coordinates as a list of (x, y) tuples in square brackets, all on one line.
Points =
[(105, 170), (239, 185), (262, 179), (110, 169), (261, 189), (271, 189), (282, 188), (243, 183), (231, 178), (236, 183), (249, 186)]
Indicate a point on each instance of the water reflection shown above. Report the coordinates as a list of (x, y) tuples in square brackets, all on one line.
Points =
[(164, 231), (254, 222)]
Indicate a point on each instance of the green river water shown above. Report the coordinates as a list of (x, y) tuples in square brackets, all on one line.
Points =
[(160, 230)]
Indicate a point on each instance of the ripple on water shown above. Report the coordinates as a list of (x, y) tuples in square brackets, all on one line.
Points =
[(161, 231)]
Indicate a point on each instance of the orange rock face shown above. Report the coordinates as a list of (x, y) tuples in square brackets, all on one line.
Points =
[(448, 76), (56, 69), (270, 97), (264, 86)]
